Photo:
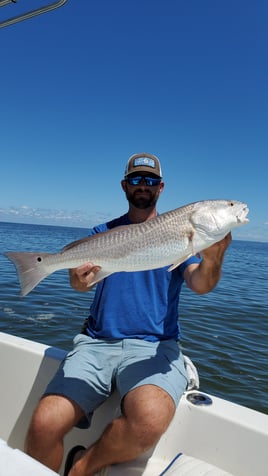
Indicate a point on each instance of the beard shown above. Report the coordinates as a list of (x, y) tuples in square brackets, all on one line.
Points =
[(141, 199)]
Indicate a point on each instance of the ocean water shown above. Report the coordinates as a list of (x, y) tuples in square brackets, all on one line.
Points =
[(224, 332)]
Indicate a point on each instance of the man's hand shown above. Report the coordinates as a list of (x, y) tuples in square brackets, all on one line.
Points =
[(82, 277), (216, 252)]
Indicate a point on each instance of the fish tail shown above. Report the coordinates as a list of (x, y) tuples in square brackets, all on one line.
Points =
[(30, 269)]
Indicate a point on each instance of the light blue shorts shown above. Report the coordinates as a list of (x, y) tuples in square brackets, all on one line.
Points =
[(94, 368)]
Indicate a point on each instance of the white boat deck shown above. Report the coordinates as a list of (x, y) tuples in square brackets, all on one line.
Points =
[(231, 437)]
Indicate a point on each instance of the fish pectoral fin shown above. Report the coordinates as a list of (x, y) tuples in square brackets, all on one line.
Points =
[(99, 276), (179, 261), (190, 235)]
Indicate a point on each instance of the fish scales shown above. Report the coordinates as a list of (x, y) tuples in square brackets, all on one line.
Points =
[(142, 243)]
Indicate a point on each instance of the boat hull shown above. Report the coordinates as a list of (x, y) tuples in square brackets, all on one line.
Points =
[(229, 436)]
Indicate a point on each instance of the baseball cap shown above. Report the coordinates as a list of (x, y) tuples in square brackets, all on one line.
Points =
[(143, 162)]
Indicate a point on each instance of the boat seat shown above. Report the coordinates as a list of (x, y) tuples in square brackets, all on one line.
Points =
[(180, 465), (183, 465)]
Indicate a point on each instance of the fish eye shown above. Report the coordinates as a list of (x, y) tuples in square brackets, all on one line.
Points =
[(39, 259), (231, 204)]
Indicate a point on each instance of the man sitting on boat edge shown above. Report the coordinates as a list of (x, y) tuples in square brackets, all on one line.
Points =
[(130, 342)]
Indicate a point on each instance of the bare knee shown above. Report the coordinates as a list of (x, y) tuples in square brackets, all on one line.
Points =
[(52, 419), (149, 411), (39, 429)]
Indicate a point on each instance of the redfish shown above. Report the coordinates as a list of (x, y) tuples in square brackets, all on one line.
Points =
[(166, 240)]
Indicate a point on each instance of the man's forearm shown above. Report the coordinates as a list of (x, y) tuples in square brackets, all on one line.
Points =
[(203, 278)]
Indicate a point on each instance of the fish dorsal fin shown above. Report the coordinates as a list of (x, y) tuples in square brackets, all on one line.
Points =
[(114, 231)]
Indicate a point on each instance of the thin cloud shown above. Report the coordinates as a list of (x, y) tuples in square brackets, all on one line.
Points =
[(48, 216)]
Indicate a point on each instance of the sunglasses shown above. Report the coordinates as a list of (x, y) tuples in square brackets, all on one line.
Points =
[(149, 181)]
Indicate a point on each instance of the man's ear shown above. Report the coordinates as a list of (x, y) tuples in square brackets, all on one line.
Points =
[(123, 185)]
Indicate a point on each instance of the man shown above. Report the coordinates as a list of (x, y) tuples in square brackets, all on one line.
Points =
[(130, 341)]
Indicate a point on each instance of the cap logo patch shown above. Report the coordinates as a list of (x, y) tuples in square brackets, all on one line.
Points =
[(139, 161)]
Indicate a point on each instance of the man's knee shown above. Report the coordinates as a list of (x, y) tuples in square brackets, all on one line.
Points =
[(54, 416), (149, 411), (42, 427)]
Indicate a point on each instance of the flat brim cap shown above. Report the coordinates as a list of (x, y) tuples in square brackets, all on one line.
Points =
[(143, 162)]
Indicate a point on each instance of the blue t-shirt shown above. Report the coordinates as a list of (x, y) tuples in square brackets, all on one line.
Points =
[(138, 305)]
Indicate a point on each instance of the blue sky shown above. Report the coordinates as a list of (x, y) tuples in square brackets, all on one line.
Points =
[(87, 85)]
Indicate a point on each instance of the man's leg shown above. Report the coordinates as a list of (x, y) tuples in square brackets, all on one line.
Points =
[(148, 410), (83, 387), (52, 419)]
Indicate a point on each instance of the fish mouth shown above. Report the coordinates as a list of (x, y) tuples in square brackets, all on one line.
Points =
[(242, 215)]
